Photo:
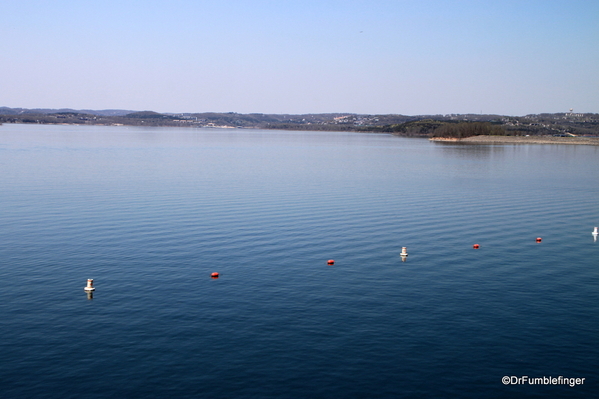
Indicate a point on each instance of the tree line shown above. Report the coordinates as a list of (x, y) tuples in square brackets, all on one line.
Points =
[(468, 129)]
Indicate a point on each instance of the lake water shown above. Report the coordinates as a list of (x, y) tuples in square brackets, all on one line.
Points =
[(150, 213)]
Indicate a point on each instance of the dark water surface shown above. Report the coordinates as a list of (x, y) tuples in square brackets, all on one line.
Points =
[(150, 213)]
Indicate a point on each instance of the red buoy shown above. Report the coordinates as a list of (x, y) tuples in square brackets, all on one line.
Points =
[(476, 246), (214, 275), (539, 239), (331, 262)]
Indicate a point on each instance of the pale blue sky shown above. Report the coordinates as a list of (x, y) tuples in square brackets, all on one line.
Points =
[(375, 56)]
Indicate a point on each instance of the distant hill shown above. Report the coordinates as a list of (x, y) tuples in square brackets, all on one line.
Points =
[(452, 125), (105, 112), (148, 115)]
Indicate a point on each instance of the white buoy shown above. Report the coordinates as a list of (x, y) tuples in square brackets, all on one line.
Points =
[(595, 232), (404, 251), (90, 285)]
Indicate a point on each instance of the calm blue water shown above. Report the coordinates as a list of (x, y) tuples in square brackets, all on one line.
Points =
[(150, 213)]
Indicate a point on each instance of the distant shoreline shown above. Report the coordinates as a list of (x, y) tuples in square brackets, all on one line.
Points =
[(520, 140), (483, 139), (449, 125)]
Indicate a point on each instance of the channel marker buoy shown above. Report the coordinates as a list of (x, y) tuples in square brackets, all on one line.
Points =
[(90, 285)]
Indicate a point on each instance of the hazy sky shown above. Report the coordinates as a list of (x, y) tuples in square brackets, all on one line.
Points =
[(372, 56)]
